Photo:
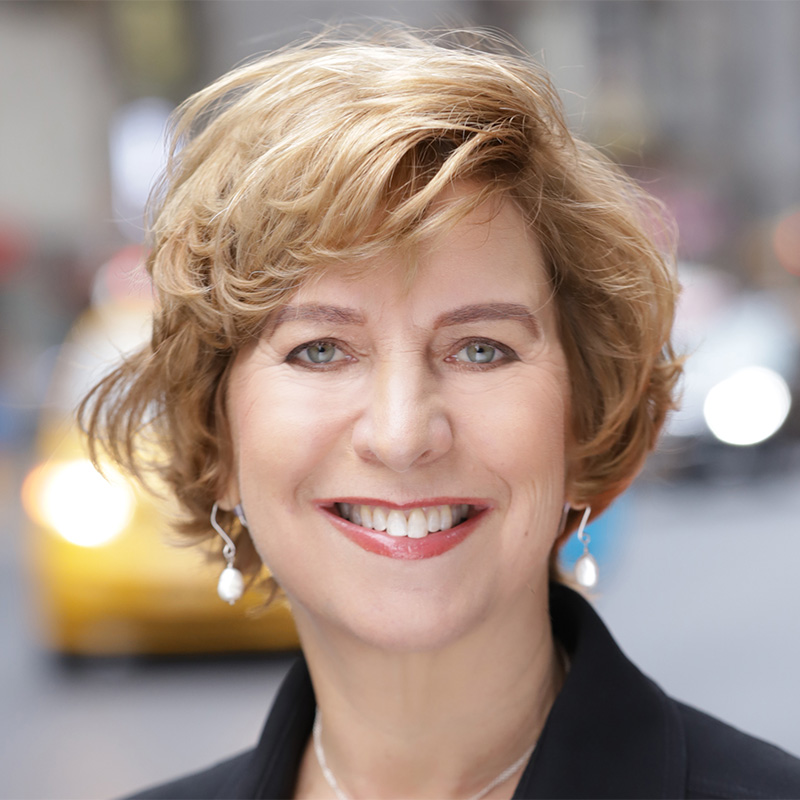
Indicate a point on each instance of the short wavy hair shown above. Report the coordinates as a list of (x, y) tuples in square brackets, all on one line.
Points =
[(333, 150)]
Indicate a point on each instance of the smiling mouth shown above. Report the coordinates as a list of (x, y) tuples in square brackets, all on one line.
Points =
[(413, 523)]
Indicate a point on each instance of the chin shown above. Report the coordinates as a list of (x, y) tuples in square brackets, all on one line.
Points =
[(399, 622), (415, 636)]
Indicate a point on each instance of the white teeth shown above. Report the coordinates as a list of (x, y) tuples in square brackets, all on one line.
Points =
[(366, 516), (415, 523), (396, 524), (378, 519)]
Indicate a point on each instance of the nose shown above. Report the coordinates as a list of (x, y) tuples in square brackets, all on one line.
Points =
[(402, 423)]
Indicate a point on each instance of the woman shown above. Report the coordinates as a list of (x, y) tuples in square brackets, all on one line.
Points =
[(410, 335)]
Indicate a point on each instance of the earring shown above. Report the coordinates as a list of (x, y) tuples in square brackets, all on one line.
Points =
[(231, 583), (586, 571)]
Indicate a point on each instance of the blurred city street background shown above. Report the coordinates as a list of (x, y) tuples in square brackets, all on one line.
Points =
[(700, 560)]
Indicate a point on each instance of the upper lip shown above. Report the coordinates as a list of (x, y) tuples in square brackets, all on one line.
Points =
[(425, 502)]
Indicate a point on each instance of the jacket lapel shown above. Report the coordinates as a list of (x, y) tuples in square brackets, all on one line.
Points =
[(611, 732), (272, 769)]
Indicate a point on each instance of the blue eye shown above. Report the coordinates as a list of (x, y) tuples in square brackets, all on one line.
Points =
[(321, 352), (483, 353), (479, 353), (318, 353)]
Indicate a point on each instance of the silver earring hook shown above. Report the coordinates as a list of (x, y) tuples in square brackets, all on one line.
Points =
[(584, 537), (229, 550)]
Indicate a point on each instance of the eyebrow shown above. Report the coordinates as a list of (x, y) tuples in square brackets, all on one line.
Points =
[(490, 311), (313, 312), (340, 315)]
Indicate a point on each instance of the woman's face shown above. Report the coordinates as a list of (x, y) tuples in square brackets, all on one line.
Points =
[(446, 399)]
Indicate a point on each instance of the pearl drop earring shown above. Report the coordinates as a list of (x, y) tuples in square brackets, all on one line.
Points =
[(586, 570), (231, 582)]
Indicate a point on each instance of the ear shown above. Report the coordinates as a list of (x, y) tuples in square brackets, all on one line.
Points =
[(574, 501), (227, 491), (573, 495), (230, 497), (573, 468)]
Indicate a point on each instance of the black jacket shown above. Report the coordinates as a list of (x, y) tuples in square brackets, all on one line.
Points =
[(611, 733)]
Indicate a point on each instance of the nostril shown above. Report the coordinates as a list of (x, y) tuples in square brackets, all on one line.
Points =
[(402, 425)]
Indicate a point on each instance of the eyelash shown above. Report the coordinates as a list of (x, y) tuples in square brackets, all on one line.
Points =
[(509, 355), (294, 356)]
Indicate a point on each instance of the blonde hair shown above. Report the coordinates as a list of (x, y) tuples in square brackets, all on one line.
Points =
[(331, 151)]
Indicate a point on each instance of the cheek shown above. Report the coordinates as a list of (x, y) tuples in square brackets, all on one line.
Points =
[(284, 431), (524, 448), (520, 426), (277, 447)]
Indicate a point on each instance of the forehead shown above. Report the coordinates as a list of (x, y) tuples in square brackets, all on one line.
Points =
[(490, 254)]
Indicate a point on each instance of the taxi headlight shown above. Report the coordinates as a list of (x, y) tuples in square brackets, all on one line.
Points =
[(748, 407), (75, 500)]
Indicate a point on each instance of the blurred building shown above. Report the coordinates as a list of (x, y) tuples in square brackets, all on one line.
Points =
[(699, 99)]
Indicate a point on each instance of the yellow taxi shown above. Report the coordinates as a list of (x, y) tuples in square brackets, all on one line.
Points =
[(107, 574)]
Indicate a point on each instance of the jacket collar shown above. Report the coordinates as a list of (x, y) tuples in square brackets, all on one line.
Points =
[(611, 732)]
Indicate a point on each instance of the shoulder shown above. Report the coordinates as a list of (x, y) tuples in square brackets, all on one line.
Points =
[(270, 769), (613, 732), (723, 762), (214, 782)]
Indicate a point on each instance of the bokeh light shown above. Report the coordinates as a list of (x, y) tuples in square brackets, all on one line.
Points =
[(73, 499), (748, 407)]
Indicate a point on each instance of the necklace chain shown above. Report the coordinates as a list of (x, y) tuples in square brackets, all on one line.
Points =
[(340, 794)]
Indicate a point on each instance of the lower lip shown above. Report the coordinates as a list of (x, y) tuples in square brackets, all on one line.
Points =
[(402, 547)]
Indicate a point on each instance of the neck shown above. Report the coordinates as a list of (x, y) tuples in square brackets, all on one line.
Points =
[(440, 723)]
